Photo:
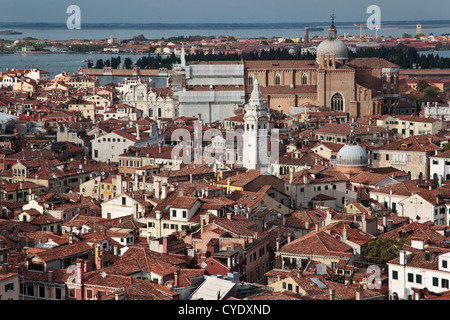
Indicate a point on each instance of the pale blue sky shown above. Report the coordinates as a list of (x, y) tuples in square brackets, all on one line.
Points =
[(191, 11)]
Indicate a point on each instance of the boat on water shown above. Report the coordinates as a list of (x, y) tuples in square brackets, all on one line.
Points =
[(10, 32)]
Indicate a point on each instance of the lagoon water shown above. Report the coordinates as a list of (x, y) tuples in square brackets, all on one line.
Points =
[(56, 63), (269, 31), (60, 62)]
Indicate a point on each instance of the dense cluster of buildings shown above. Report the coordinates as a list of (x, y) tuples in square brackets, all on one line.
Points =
[(129, 191)]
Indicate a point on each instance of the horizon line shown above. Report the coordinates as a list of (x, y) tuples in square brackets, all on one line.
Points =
[(441, 21)]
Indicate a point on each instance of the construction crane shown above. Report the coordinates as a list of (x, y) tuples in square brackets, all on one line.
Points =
[(364, 24)]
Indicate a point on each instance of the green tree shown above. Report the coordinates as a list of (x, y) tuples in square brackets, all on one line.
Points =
[(446, 146), (381, 250), (99, 64), (431, 92), (127, 62), (115, 62), (422, 85)]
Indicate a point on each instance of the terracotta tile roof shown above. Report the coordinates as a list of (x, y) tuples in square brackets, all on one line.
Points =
[(126, 135), (416, 258), (246, 198), (238, 225), (345, 129), (432, 196), (368, 178), (416, 119), (98, 237), (318, 243), (277, 296), (334, 147), (58, 275), (280, 64), (64, 251), (391, 171), (405, 188), (215, 203), (137, 257), (371, 63), (341, 290), (15, 186), (187, 274), (242, 179), (43, 219), (353, 234), (300, 218), (424, 231), (315, 176), (142, 290), (308, 159), (442, 155), (410, 144), (112, 281), (322, 197)]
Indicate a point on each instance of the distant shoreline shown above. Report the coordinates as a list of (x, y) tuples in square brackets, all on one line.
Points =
[(275, 25)]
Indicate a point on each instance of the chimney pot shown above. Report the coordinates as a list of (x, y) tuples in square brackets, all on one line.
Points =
[(165, 244), (332, 294)]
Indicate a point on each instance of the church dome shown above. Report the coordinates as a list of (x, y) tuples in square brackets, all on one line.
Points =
[(333, 46), (352, 156)]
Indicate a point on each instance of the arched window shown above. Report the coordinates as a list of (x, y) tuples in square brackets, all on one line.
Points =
[(305, 79), (277, 79), (337, 102), (250, 80)]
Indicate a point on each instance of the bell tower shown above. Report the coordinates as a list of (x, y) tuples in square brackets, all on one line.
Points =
[(256, 126)]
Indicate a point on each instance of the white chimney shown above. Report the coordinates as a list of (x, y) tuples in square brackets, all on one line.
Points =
[(332, 294), (164, 191), (344, 234), (403, 259)]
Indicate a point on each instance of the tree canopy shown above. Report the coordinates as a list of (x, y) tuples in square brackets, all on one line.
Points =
[(381, 250)]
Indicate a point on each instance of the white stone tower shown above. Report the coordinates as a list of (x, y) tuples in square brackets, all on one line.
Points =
[(183, 57), (256, 127)]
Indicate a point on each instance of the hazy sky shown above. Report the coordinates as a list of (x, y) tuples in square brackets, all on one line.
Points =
[(191, 11)]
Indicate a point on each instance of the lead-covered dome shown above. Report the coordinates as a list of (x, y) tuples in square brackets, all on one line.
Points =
[(333, 46), (352, 156)]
